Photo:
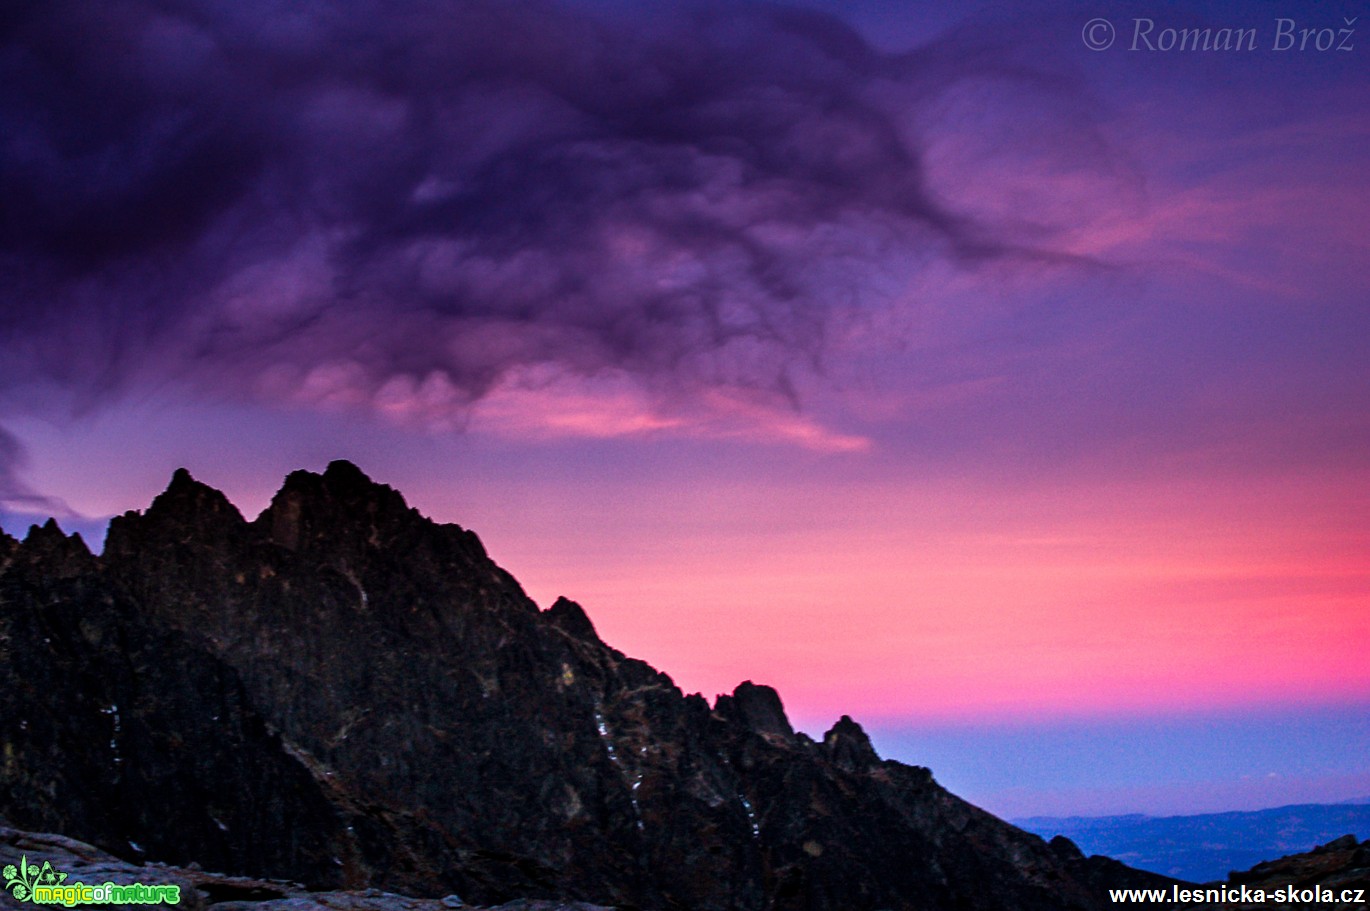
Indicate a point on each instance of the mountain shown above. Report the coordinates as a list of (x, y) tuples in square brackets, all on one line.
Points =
[(1205, 848), (1339, 869), (346, 694)]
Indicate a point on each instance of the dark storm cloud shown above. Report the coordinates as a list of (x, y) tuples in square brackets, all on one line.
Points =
[(352, 200)]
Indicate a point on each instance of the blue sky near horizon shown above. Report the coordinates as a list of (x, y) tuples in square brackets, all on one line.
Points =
[(1006, 394), (1171, 765)]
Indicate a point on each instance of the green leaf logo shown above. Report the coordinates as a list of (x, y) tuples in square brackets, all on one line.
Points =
[(21, 881)]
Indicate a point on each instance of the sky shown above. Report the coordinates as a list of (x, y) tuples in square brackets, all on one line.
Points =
[(997, 377)]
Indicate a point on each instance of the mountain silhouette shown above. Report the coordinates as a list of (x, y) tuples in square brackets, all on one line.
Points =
[(344, 693)]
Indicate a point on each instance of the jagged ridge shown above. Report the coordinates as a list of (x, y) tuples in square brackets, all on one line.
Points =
[(384, 706)]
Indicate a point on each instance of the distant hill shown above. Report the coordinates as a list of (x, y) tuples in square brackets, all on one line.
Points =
[(1207, 847)]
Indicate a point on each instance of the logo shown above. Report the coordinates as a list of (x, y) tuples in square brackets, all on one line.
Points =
[(46, 886)]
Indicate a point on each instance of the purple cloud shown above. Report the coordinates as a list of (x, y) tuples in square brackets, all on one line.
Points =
[(15, 495), (321, 202)]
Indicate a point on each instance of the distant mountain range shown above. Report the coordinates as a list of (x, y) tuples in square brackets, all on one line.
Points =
[(1207, 847)]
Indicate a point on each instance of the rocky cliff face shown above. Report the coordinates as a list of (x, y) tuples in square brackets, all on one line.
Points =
[(344, 693)]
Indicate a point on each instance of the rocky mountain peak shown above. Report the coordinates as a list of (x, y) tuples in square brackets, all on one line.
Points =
[(570, 618), (342, 506), (60, 555), (341, 473), (187, 511), (193, 502), (757, 707), (848, 746)]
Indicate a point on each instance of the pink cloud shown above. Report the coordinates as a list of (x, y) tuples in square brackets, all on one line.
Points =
[(545, 403)]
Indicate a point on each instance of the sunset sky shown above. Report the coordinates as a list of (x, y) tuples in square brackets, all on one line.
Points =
[(1007, 394)]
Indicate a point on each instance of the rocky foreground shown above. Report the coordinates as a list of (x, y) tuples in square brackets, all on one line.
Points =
[(344, 694), (83, 863), (1340, 868), (1336, 868)]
